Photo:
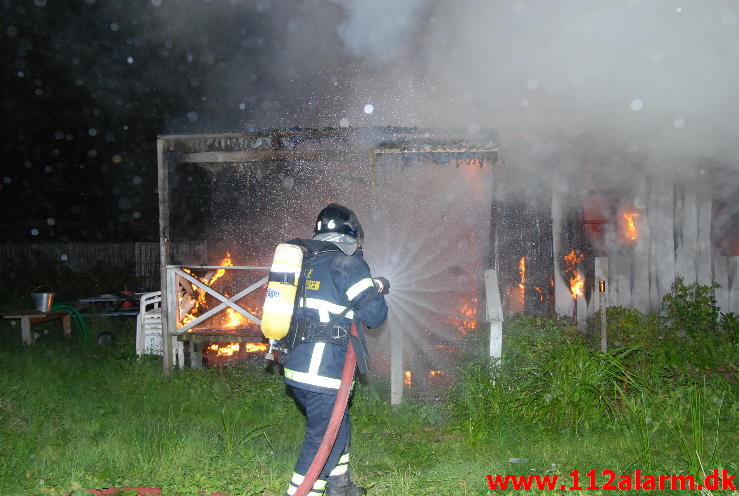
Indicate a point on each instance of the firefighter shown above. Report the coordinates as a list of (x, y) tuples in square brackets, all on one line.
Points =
[(337, 288)]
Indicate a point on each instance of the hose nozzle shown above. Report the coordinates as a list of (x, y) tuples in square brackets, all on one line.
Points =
[(382, 284)]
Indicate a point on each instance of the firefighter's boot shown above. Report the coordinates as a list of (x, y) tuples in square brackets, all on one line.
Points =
[(342, 485)]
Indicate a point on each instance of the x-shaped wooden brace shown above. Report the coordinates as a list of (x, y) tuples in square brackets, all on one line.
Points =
[(230, 302)]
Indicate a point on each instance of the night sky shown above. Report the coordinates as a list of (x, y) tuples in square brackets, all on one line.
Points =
[(87, 86)]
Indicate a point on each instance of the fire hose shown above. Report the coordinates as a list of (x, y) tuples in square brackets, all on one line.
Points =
[(334, 423), (337, 414)]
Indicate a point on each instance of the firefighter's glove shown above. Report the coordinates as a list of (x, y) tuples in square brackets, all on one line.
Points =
[(383, 285)]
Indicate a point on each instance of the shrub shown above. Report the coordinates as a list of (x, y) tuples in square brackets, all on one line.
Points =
[(690, 309)]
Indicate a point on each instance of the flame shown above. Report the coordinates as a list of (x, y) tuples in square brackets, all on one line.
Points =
[(577, 281), (466, 318), (255, 347), (436, 373), (541, 293), (631, 230), (227, 349), (200, 300), (522, 271), (233, 318), (407, 378)]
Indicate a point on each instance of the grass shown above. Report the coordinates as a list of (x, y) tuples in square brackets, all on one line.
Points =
[(73, 415)]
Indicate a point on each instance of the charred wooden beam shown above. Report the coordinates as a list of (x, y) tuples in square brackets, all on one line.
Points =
[(263, 156)]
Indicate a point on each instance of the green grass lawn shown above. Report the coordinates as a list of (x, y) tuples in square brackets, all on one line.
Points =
[(74, 416)]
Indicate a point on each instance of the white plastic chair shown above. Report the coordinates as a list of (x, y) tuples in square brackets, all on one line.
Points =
[(149, 325), (149, 329)]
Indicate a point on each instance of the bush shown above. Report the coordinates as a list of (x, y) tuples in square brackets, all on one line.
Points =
[(690, 309)]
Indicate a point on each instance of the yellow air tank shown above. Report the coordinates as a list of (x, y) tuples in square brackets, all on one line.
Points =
[(279, 301)]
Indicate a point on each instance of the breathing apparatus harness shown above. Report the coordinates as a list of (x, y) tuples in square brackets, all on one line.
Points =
[(303, 331)]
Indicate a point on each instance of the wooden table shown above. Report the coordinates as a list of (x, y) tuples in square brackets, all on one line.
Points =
[(30, 317)]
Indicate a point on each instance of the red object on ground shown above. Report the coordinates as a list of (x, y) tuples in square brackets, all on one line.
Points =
[(114, 490), (127, 303), (141, 491), (337, 414)]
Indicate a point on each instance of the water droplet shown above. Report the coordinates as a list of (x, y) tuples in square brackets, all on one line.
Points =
[(92, 131), (51, 221), (136, 215), (34, 232), (12, 31), (20, 74), (344, 122), (192, 116), (47, 168), (117, 159), (532, 84), (40, 3), (242, 106), (7, 180), (156, 3), (369, 108), (124, 203), (114, 26), (92, 153), (129, 60), (678, 123), (636, 105), (28, 165), (137, 180), (59, 135), (679, 9)]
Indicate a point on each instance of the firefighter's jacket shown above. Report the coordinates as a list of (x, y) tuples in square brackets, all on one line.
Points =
[(333, 282)]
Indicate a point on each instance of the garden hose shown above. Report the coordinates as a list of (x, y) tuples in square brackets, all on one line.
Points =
[(80, 324)]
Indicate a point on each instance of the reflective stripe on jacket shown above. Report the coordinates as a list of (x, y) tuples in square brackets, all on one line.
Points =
[(334, 281)]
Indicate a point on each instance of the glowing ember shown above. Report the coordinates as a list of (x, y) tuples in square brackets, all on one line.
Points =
[(541, 293), (227, 349), (631, 230), (577, 281), (436, 373), (407, 378), (466, 318)]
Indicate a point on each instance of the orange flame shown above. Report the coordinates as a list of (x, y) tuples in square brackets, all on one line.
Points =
[(631, 229), (435, 373), (233, 318), (541, 293), (407, 378), (227, 349), (230, 349), (200, 301), (255, 347), (577, 281)]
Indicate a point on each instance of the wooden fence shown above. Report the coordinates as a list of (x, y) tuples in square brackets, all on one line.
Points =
[(81, 257)]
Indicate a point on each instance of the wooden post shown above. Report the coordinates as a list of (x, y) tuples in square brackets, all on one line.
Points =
[(169, 301), (26, 335), (163, 187), (563, 302), (603, 327), (494, 311), (396, 365)]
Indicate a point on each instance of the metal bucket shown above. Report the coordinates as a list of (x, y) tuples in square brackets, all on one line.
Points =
[(42, 301)]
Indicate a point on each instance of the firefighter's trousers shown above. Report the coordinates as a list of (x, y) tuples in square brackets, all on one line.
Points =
[(317, 408)]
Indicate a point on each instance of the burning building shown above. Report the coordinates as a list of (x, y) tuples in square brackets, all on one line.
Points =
[(439, 210)]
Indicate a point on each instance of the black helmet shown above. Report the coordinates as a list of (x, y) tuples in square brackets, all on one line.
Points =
[(338, 219)]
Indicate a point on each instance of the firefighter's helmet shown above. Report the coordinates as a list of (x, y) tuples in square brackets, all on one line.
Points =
[(336, 218)]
